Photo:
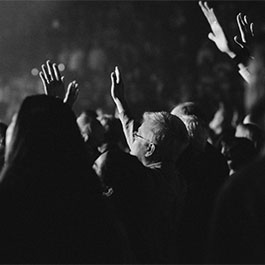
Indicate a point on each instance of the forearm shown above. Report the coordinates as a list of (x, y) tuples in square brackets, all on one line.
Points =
[(127, 121), (242, 66), (243, 71)]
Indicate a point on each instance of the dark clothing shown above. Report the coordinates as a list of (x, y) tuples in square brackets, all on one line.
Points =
[(57, 222), (238, 225), (204, 172), (148, 202)]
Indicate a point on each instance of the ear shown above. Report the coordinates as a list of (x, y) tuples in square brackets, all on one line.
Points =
[(150, 150)]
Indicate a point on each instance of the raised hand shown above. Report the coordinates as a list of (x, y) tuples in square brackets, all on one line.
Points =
[(52, 81), (117, 90), (117, 87), (71, 93), (217, 35), (53, 84), (246, 31)]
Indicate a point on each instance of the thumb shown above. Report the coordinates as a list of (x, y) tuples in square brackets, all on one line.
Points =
[(117, 73), (238, 42), (113, 78), (211, 36)]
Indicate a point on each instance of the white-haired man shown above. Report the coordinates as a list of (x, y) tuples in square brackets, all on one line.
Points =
[(147, 189)]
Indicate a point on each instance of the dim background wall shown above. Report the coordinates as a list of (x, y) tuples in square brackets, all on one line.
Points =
[(161, 47)]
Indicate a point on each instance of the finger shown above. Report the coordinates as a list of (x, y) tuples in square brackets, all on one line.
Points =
[(76, 93), (45, 73), (113, 78), (202, 6), (206, 6), (117, 73), (240, 26), (246, 20), (211, 36), (244, 24), (77, 90), (50, 70), (74, 85), (205, 11), (44, 82), (238, 42), (57, 72), (252, 28), (62, 78), (68, 90)]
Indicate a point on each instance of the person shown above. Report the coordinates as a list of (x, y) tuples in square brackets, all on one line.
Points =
[(252, 132), (92, 132), (239, 153), (146, 190), (113, 132), (242, 56), (237, 228), (204, 170), (52, 210)]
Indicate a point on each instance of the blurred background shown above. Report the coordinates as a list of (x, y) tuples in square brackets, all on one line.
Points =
[(161, 47)]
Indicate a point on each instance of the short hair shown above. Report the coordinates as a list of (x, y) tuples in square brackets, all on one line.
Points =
[(169, 134), (197, 132), (189, 108)]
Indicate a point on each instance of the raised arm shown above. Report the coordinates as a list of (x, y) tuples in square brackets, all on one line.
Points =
[(118, 96), (217, 35), (117, 90), (246, 30), (53, 84)]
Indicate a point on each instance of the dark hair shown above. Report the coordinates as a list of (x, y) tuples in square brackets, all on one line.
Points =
[(253, 133), (113, 128), (240, 151), (45, 141)]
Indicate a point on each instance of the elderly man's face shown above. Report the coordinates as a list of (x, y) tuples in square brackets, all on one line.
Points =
[(142, 139)]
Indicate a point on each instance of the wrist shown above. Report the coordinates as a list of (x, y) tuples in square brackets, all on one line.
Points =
[(120, 104), (231, 54), (242, 58)]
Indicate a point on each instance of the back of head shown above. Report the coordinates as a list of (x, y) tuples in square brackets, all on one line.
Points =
[(45, 136), (189, 108), (91, 128), (169, 135), (239, 153), (222, 119), (197, 132), (113, 128)]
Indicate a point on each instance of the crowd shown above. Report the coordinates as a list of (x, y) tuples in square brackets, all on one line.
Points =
[(169, 188)]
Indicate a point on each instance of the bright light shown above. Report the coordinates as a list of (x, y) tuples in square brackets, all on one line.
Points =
[(35, 71), (61, 67)]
